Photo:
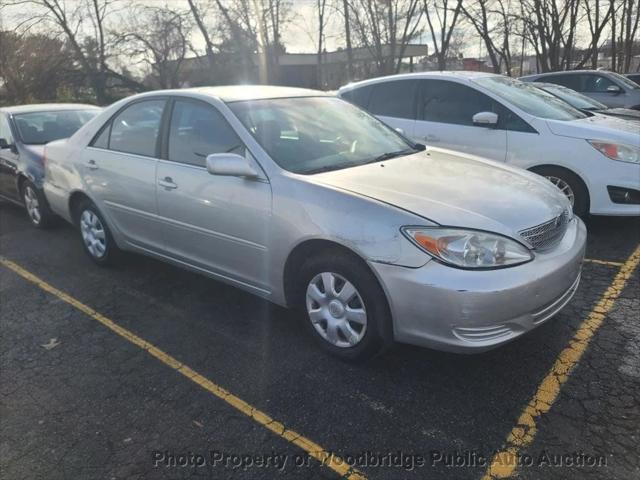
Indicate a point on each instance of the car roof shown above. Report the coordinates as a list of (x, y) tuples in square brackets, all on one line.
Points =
[(444, 75), (235, 93), (47, 107)]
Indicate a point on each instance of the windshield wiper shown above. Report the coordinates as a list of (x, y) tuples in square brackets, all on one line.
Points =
[(389, 155)]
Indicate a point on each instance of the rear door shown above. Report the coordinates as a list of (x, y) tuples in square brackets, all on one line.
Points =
[(394, 103), (445, 119), (218, 223), (119, 169)]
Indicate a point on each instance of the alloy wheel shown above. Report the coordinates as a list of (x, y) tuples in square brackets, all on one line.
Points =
[(93, 234), (32, 204), (564, 187), (336, 309)]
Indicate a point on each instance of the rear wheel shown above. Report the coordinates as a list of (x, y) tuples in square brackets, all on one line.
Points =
[(570, 185), (346, 309), (36, 204), (96, 237)]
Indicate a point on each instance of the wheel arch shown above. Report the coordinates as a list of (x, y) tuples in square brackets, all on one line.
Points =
[(75, 199), (537, 168), (304, 250)]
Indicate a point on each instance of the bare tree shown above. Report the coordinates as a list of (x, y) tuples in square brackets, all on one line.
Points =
[(321, 8), (347, 34), (199, 20), (492, 22), (73, 19), (159, 38), (446, 13), (628, 36), (551, 28), (385, 28), (33, 67)]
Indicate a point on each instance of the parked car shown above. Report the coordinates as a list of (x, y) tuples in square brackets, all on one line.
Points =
[(634, 77), (610, 88), (24, 130), (310, 202), (594, 160), (586, 104)]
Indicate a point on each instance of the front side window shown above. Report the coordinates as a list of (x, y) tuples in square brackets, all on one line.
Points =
[(198, 130), (394, 99), (361, 96), (451, 102), (135, 130), (597, 83), (313, 134), (38, 128), (529, 98)]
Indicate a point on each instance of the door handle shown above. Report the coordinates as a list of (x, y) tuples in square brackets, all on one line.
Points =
[(91, 164), (432, 138), (167, 182)]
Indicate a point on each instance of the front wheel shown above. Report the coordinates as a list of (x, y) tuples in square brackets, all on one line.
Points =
[(96, 237), (570, 185), (346, 309)]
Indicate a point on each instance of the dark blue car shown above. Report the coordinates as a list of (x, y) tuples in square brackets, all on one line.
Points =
[(24, 131)]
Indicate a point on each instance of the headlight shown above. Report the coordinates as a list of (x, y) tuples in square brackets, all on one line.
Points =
[(468, 248), (617, 151)]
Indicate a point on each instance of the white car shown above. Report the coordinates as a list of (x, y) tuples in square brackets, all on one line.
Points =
[(594, 159)]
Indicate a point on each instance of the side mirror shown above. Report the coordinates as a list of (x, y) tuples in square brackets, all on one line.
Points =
[(4, 144), (231, 165), (400, 131), (615, 89), (420, 147), (485, 119)]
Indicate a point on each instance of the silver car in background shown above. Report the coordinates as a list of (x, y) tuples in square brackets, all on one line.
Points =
[(312, 203)]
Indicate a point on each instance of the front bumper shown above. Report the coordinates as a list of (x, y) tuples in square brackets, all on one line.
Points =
[(620, 175), (471, 311)]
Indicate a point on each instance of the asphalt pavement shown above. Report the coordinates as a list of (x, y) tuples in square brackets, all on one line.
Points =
[(81, 400)]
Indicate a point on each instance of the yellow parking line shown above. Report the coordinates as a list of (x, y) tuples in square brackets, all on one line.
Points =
[(604, 262), (314, 450), (504, 462)]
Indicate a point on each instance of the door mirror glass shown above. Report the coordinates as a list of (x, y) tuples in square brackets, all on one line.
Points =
[(485, 119), (614, 89), (230, 164), (4, 144)]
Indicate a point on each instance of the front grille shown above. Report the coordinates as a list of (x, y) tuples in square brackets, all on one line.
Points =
[(547, 234)]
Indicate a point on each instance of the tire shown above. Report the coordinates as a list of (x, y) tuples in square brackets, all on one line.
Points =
[(95, 235), (343, 337), (564, 179), (36, 205)]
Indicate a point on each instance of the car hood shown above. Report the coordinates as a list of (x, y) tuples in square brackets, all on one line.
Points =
[(454, 189), (597, 127), (625, 113)]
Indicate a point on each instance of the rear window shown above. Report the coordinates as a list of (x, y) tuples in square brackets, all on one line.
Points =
[(38, 128)]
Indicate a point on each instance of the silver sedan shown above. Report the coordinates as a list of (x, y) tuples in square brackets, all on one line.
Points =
[(310, 202)]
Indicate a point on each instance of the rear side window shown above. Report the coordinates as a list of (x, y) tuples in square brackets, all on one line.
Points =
[(359, 96), (135, 130), (450, 102), (394, 99), (574, 82), (198, 130)]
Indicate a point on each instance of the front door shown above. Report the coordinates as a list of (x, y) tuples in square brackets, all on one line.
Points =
[(217, 223), (445, 119)]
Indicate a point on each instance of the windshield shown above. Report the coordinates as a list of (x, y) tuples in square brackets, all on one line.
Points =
[(313, 134), (574, 98), (39, 128), (531, 99), (625, 81)]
